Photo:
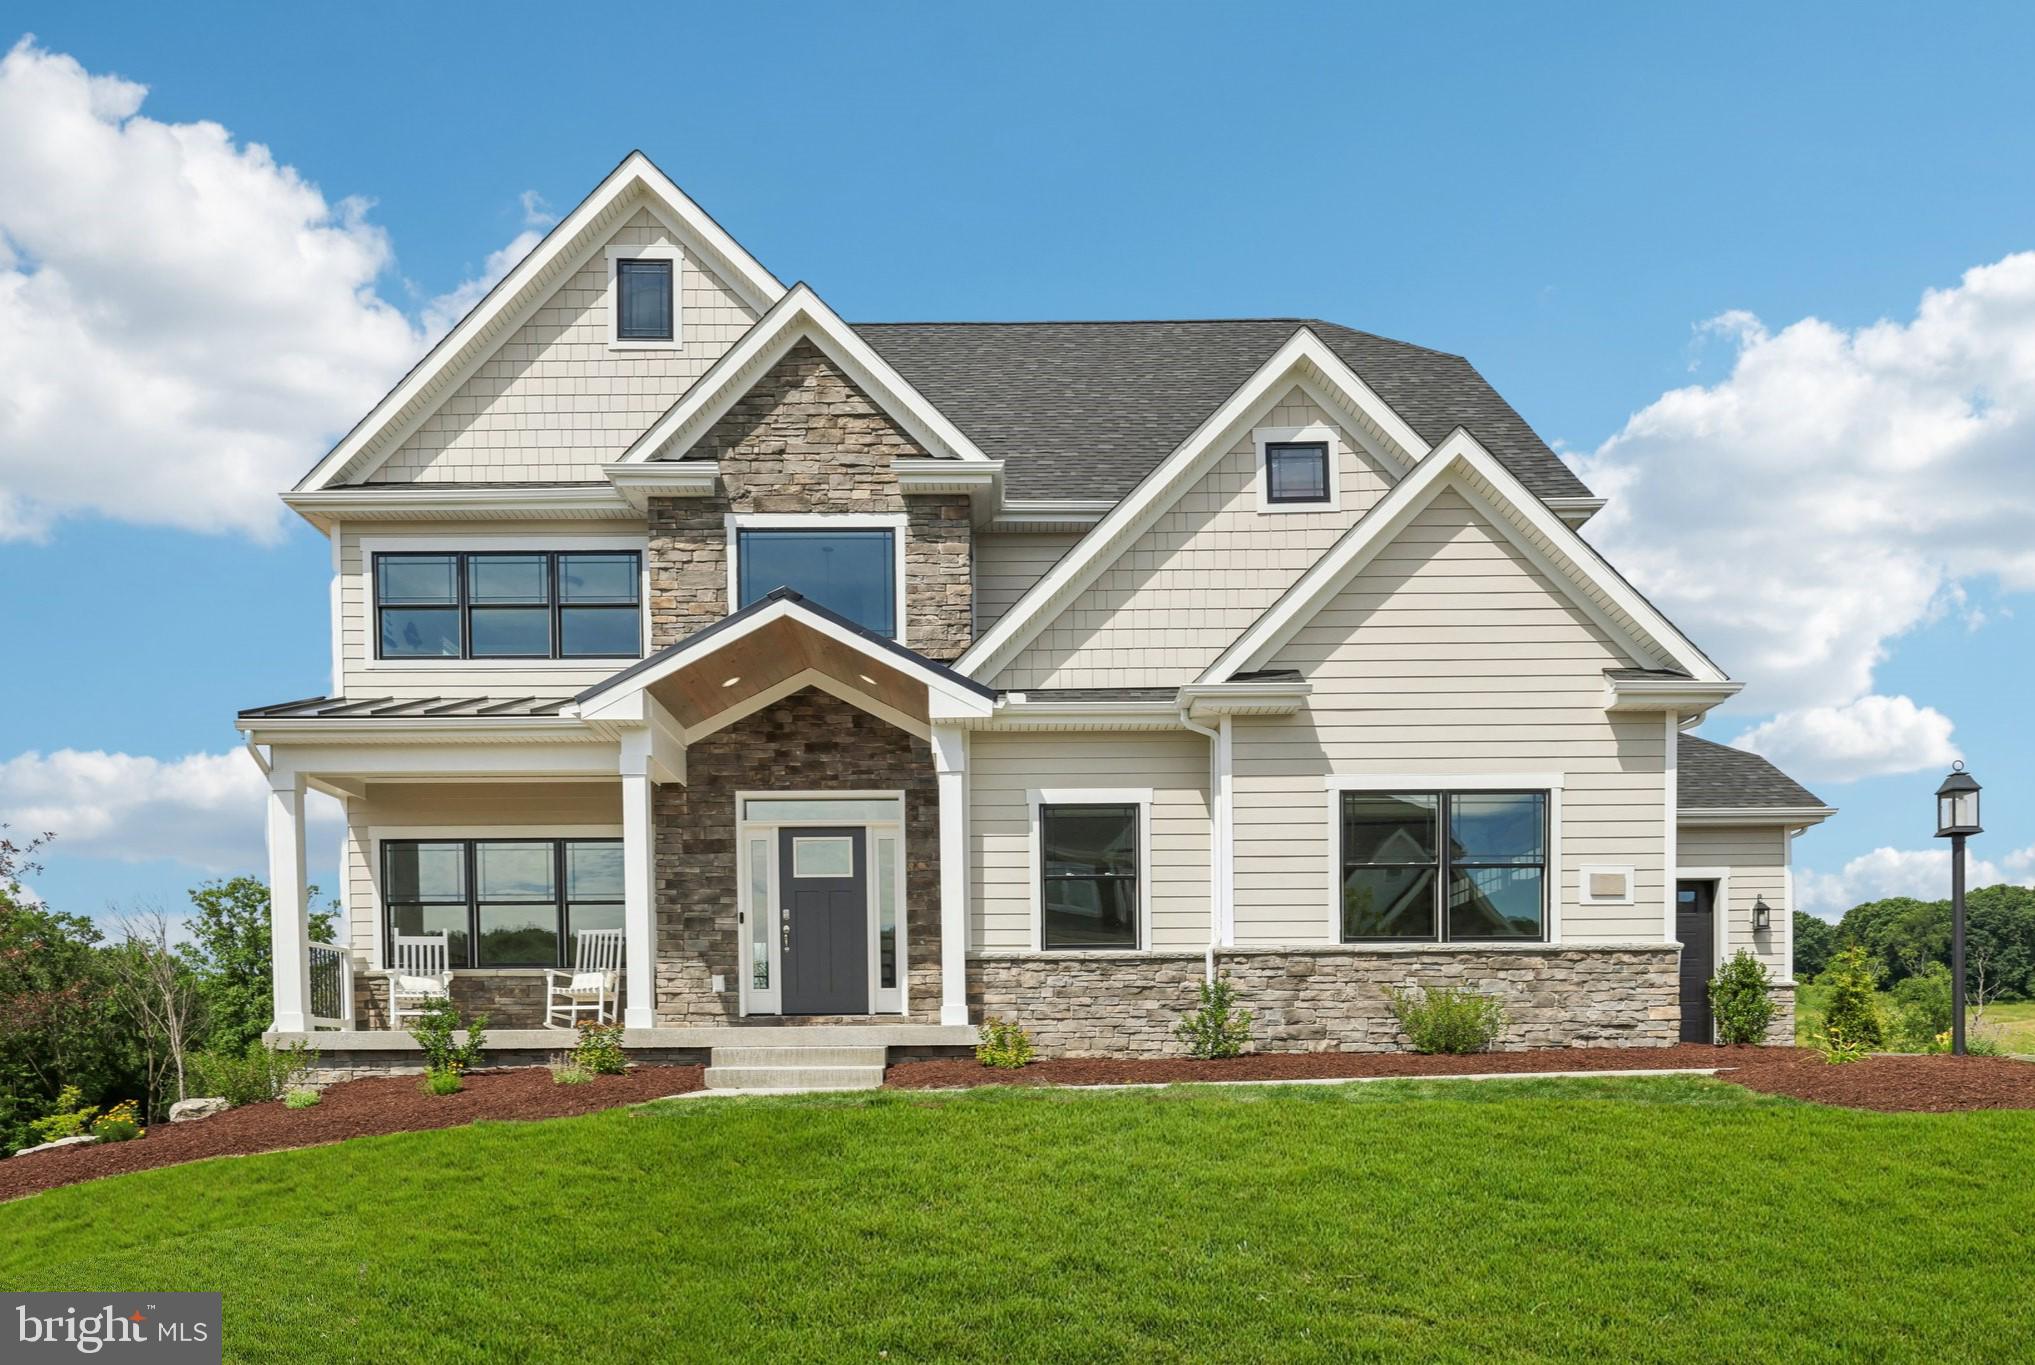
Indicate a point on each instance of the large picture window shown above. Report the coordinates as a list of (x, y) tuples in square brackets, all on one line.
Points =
[(853, 572), (503, 902), (511, 604), (1444, 866), (1088, 876)]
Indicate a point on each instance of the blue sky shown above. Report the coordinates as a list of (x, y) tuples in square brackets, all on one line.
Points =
[(1569, 195)]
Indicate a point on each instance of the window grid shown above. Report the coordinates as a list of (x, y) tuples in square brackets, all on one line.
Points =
[(1296, 471), (553, 599), (1445, 866), (563, 904)]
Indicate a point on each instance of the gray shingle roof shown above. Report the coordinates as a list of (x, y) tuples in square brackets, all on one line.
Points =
[(1716, 776), (1087, 409)]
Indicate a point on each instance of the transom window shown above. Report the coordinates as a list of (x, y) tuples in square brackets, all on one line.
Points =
[(853, 572), (1444, 866), (643, 296), (503, 902), (1088, 876), (580, 604), (1296, 471)]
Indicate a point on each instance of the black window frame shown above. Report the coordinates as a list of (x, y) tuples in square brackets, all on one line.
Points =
[(893, 537), (561, 902), (555, 604), (625, 266), (1446, 864), (1274, 449), (1135, 877)]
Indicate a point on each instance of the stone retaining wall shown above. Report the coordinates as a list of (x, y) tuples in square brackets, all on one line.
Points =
[(1329, 999)]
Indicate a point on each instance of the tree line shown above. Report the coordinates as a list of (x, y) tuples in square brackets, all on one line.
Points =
[(1903, 937)]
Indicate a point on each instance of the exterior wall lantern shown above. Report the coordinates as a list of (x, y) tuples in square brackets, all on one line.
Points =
[(1762, 916), (1957, 820)]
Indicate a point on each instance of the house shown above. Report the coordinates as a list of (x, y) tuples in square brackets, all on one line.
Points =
[(875, 679)]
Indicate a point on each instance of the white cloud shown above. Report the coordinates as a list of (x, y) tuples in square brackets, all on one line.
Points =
[(1921, 873), (1836, 490), (1871, 737), (202, 810), (185, 325)]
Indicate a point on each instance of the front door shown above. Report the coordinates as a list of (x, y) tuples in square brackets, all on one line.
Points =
[(824, 874), (1696, 927)]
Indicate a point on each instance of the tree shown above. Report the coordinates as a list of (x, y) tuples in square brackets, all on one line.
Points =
[(1852, 1013), (1815, 941), (230, 956), (158, 993), (1901, 935)]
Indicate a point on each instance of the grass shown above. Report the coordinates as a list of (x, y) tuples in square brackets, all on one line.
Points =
[(2013, 1025), (1659, 1219)]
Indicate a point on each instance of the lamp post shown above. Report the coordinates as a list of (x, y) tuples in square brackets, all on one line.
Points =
[(1957, 820)]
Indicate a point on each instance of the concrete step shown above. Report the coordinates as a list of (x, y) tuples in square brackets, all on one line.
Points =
[(794, 1077), (788, 1054)]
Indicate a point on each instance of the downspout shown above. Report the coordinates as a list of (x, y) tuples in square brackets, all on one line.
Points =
[(1218, 836)]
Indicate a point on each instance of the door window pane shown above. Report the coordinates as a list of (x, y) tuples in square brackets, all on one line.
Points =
[(850, 572), (850, 811), (518, 935), (511, 632), (1388, 902), (514, 871), (822, 857), (597, 578), (508, 578), (1496, 902), (420, 633), (586, 632), (886, 913), (643, 294), (1088, 876), (761, 920)]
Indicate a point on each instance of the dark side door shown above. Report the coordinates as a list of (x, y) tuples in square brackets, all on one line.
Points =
[(825, 876), (1696, 927)]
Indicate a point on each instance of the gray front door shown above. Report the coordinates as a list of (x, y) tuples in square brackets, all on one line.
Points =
[(1696, 927), (825, 876)]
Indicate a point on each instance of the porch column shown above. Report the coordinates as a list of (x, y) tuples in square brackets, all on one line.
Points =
[(950, 763), (289, 919), (639, 901)]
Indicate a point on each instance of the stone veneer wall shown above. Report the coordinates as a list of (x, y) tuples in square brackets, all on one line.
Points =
[(1781, 1031), (1328, 999), (508, 999), (810, 741), (807, 439)]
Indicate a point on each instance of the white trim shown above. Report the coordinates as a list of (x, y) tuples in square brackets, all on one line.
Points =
[(336, 604), (1690, 699), (798, 682), (1720, 910), (799, 315), (1445, 468), (1670, 829), (635, 182), (951, 776), (897, 523), (1261, 475), (1627, 874), (1755, 815), (462, 542), (1575, 509), (1303, 356), (638, 483), (1141, 797), (610, 297), (1552, 882), (426, 502)]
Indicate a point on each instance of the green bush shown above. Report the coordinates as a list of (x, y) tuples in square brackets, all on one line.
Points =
[(69, 1119), (1448, 1019), (600, 1050), (1216, 1027), (1922, 1010), (1838, 1047), (1852, 1013), (434, 1031), (258, 1074), (441, 1081), (570, 1073), (302, 1098), (1005, 1044), (118, 1124), (1739, 998)]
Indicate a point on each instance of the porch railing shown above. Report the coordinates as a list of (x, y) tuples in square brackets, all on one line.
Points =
[(331, 987)]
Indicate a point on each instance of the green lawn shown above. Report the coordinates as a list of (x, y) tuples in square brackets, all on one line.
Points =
[(1660, 1219), (2012, 1025)]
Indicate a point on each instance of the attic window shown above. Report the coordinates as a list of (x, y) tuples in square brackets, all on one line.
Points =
[(1296, 471), (643, 300)]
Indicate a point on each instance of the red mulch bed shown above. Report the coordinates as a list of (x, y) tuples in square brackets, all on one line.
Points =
[(1933, 1084), (382, 1104)]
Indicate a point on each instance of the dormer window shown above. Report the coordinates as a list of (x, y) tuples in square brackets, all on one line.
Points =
[(643, 304), (1297, 469)]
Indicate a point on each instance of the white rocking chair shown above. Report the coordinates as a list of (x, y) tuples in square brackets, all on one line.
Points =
[(419, 971), (592, 986)]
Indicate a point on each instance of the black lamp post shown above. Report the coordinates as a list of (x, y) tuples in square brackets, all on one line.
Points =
[(1957, 820)]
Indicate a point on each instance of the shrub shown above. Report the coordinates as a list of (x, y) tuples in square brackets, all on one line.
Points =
[(600, 1050), (570, 1073), (440, 1081), (301, 1098), (1838, 1048), (1922, 1010), (1739, 999), (1004, 1044), (1448, 1019), (118, 1124), (1978, 1044), (258, 1074), (68, 1119), (1852, 1011), (434, 1031), (1216, 1028)]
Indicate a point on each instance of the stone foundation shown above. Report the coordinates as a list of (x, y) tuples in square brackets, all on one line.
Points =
[(355, 1064), (508, 999), (1329, 999), (1781, 1031)]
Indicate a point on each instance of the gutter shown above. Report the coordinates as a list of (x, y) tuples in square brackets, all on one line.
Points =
[(1218, 832)]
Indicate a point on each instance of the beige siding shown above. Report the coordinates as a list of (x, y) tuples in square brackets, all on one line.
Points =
[(1449, 653), (1757, 857), (1004, 767), (1180, 593), (1008, 563), (364, 676), (553, 402), (390, 808)]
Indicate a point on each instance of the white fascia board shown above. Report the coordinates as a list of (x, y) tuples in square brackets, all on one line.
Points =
[(325, 507), (1754, 815), (980, 482), (1575, 510), (1667, 694), (494, 318), (416, 730), (1017, 715), (799, 315), (1050, 514), (1266, 698), (1302, 355), (638, 483), (1460, 453)]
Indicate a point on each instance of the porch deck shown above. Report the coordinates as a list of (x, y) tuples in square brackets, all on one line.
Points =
[(690, 1037)]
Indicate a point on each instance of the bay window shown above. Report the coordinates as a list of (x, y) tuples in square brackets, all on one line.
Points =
[(503, 902), (1442, 866)]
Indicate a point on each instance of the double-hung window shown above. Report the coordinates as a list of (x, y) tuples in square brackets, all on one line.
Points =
[(1443, 866), (1088, 874), (503, 902), (850, 570), (580, 604)]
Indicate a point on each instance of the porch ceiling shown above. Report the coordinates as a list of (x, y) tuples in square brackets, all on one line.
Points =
[(773, 660)]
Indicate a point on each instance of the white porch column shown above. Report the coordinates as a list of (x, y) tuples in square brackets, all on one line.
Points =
[(950, 763), (639, 898), (289, 919)]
